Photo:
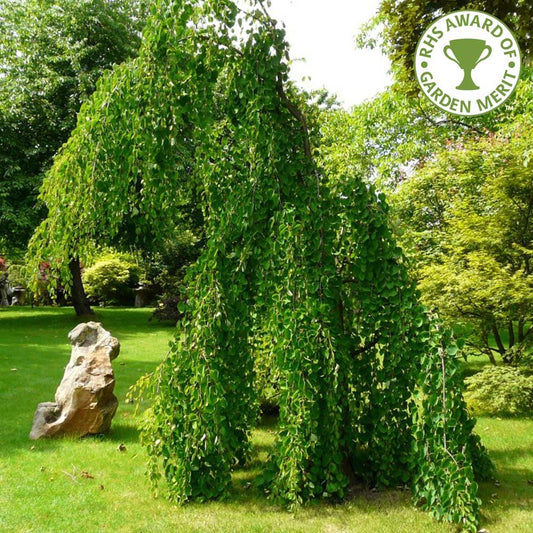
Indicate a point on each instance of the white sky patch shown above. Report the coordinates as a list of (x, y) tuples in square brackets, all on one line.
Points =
[(323, 33)]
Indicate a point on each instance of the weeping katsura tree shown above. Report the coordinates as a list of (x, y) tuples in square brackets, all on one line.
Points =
[(299, 267)]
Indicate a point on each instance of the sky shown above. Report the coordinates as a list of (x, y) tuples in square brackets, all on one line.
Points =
[(323, 33)]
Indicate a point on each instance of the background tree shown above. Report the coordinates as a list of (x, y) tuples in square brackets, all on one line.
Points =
[(391, 136), (398, 26), (400, 129), (51, 56), (383, 138), (467, 219)]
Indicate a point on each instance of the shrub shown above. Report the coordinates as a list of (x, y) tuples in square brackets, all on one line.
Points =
[(168, 308), (165, 271), (17, 275), (500, 391), (111, 279), (46, 283)]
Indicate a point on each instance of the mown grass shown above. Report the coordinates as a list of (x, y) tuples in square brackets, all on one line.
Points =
[(86, 485)]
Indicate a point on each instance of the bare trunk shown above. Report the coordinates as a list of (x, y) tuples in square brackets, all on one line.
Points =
[(488, 349), (521, 335), (498, 339), (491, 357), (79, 299)]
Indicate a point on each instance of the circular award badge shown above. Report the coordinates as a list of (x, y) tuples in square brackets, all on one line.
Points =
[(467, 63)]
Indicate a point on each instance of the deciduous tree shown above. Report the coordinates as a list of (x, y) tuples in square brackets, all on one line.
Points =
[(467, 219), (297, 264), (399, 24)]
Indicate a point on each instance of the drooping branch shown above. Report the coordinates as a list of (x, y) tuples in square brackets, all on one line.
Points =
[(297, 114), (291, 107)]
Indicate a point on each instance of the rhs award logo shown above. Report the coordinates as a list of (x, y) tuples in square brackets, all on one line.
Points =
[(467, 63)]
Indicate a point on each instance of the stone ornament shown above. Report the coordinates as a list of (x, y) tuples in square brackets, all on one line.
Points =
[(84, 401)]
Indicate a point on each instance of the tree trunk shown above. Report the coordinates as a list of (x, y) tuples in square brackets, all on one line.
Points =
[(521, 335), (498, 339), (511, 334), (79, 299), (488, 351)]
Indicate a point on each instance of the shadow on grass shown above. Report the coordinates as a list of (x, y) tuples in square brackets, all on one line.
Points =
[(36, 382), (119, 435), (122, 433), (44, 318), (511, 455), (513, 490), (500, 502)]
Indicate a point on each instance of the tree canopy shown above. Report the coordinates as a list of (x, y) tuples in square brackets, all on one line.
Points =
[(467, 217), (51, 56), (399, 24)]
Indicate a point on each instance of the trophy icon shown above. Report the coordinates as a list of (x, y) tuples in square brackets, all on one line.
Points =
[(467, 53)]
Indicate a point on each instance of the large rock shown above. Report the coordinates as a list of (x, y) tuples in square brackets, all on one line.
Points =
[(85, 403)]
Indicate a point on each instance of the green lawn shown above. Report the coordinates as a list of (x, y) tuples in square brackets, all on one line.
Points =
[(89, 485)]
